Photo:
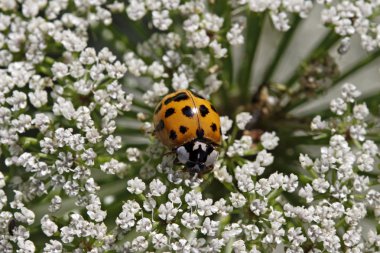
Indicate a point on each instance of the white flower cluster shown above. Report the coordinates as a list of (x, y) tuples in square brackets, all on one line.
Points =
[(347, 18), (161, 57), (57, 117), (343, 173), (279, 10), (354, 17), (195, 222)]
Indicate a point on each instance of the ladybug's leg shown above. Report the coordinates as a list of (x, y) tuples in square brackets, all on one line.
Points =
[(205, 171), (169, 153)]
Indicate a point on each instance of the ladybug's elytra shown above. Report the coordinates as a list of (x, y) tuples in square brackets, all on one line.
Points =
[(189, 125)]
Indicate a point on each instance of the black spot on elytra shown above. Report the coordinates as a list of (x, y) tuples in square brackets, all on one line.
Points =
[(197, 95), (158, 108), (169, 112), (200, 133), (203, 110), (213, 108), (183, 129), (172, 135), (187, 111), (213, 127), (178, 97), (160, 125)]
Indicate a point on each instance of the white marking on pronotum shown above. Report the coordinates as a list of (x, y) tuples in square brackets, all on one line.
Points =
[(211, 158), (200, 144), (182, 155)]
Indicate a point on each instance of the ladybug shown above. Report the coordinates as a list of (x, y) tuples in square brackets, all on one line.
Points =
[(189, 125)]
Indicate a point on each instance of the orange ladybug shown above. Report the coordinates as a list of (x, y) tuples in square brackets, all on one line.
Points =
[(189, 125)]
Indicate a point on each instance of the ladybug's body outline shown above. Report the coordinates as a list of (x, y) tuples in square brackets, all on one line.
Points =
[(189, 125)]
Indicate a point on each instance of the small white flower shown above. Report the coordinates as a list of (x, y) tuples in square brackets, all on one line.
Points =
[(159, 241), (370, 147), (259, 5), (338, 106), (198, 39), (175, 195), (112, 143), (157, 188), (48, 226), (55, 204), (136, 186), (190, 220), (237, 200), (192, 198), (262, 187), (225, 124), (25, 216), (139, 244), (156, 70), (209, 227), (280, 21), (38, 98), (306, 193), (219, 51), (18, 100), (180, 81), (167, 211), (258, 207), (161, 19), (360, 111), (269, 140), (133, 154), (350, 92), (59, 70), (251, 232), (149, 204), (242, 119), (206, 208), (171, 4), (88, 56), (231, 230), (136, 9), (71, 41), (239, 147), (144, 225), (212, 22), (239, 246), (173, 230), (305, 161), (352, 237), (365, 162), (318, 124), (358, 132), (264, 158), (53, 246), (234, 35), (192, 23), (320, 185)]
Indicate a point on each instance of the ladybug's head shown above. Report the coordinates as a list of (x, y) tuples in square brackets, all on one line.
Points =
[(197, 156)]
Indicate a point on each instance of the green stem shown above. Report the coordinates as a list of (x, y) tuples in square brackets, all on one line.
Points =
[(356, 67), (255, 23), (28, 141), (321, 48), (352, 70), (281, 49), (227, 67)]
